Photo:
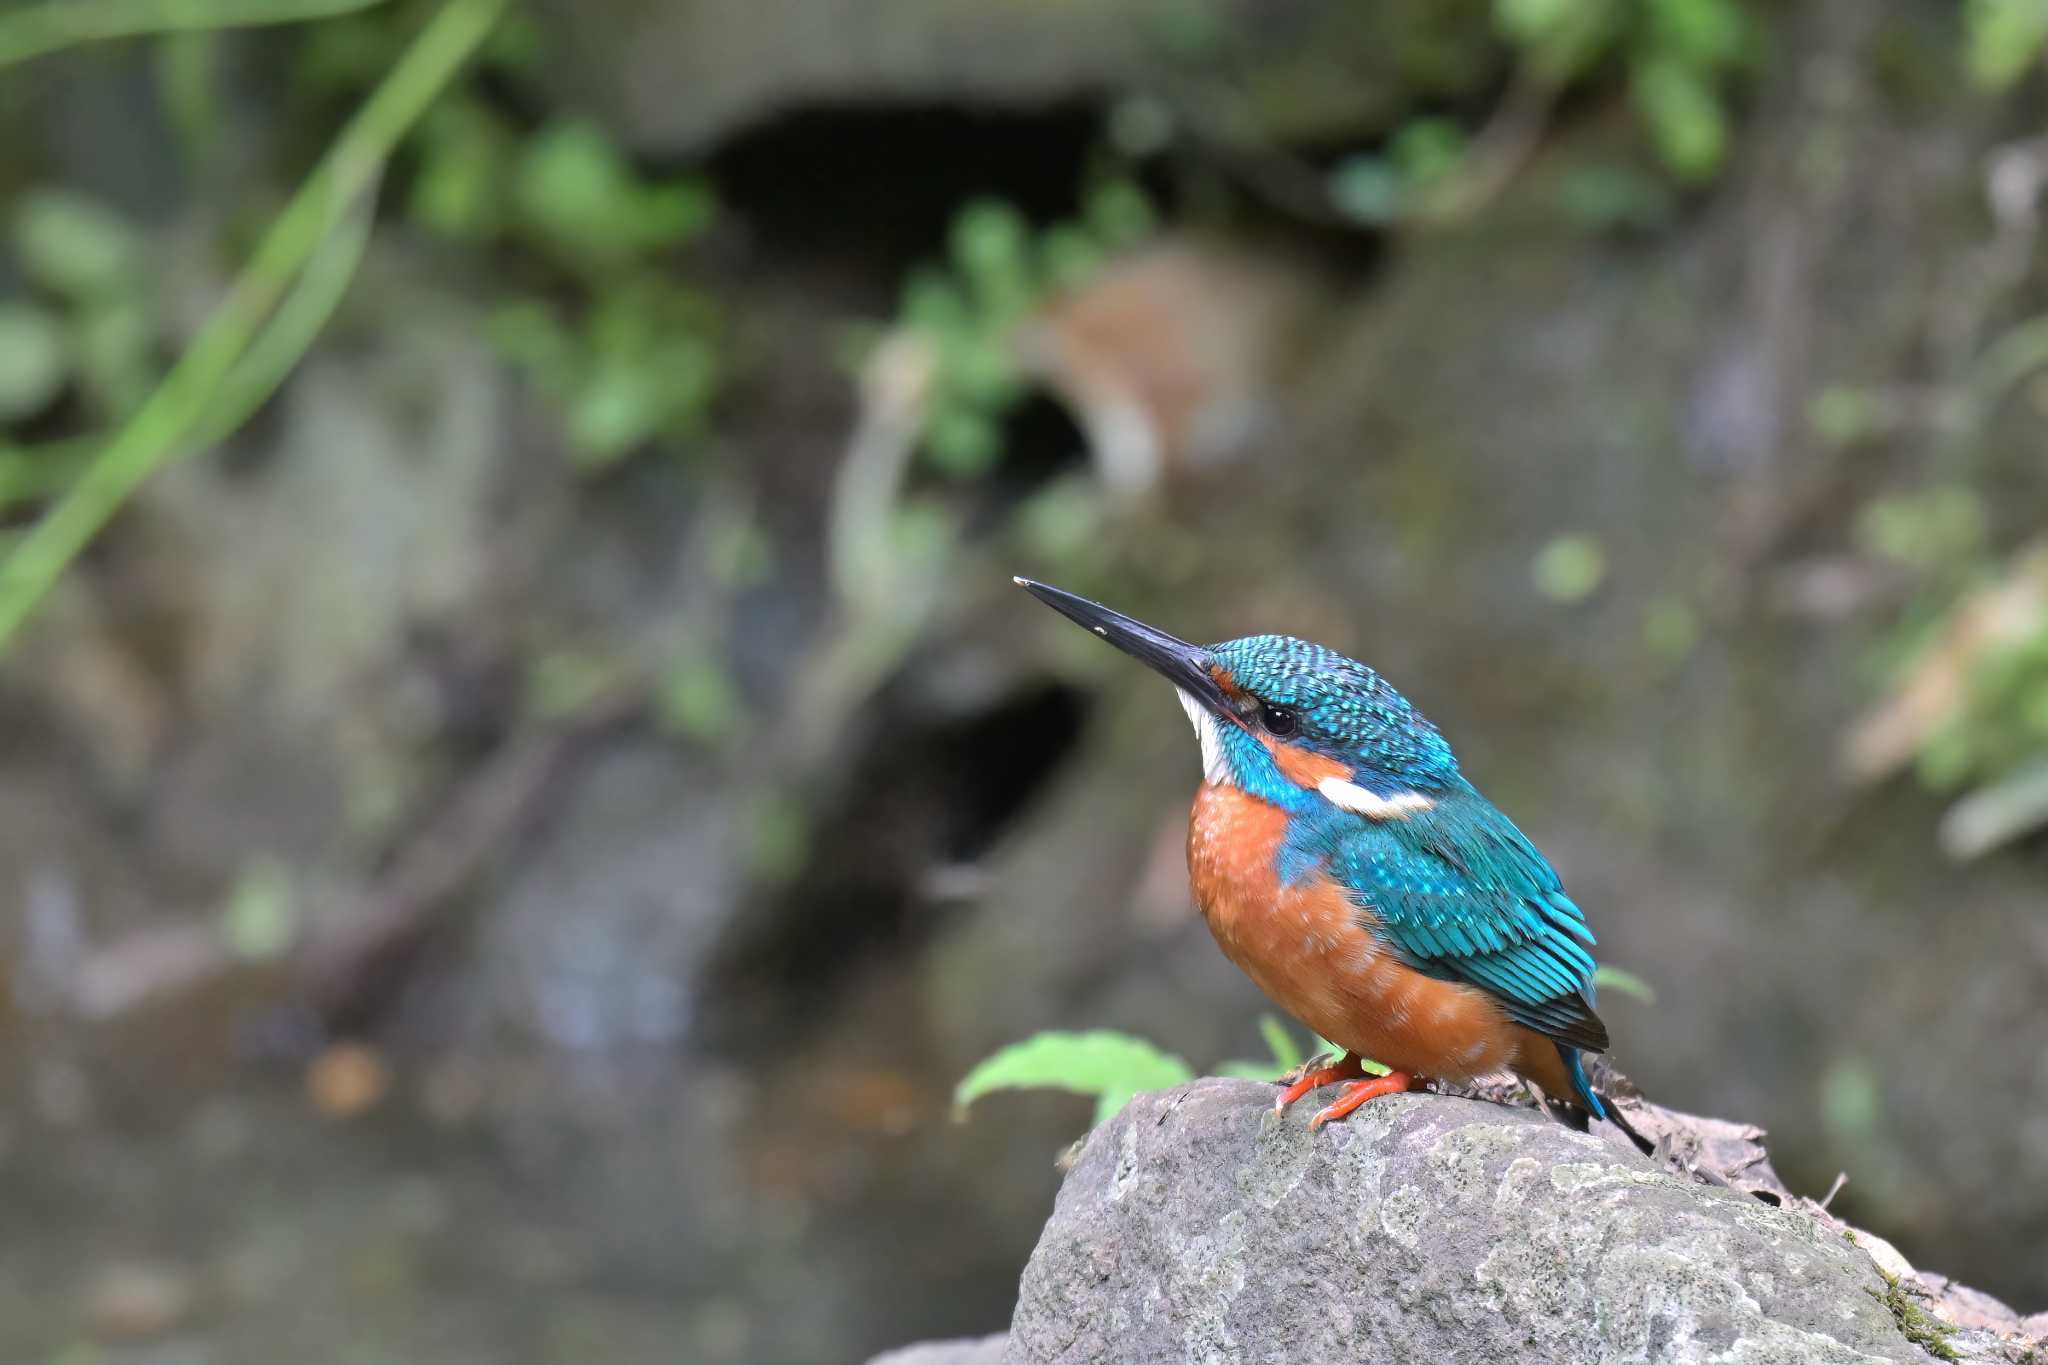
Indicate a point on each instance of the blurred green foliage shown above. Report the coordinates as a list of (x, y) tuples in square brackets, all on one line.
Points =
[(2003, 722), (2005, 38), (1939, 530), (1570, 568), (1998, 724), (998, 271), (1380, 189), (603, 319), (37, 29), (88, 323), (1678, 56), (636, 353), (272, 311), (260, 920)]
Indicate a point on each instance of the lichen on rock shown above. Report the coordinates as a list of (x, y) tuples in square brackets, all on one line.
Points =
[(1198, 1226)]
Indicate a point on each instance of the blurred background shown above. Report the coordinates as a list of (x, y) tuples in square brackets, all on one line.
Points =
[(524, 781)]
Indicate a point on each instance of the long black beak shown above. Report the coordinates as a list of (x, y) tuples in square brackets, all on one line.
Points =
[(1184, 665)]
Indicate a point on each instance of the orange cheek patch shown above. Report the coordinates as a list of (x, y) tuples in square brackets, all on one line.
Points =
[(1303, 767)]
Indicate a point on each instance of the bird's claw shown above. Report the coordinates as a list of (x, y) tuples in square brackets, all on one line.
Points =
[(1315, 1063), (1319, 1070), (1358, 1092)]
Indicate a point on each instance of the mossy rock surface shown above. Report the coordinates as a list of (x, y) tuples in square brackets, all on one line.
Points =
[(1198, 1226)]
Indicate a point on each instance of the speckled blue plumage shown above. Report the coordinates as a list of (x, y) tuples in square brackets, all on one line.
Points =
[(1347, 711), (1455, 890)]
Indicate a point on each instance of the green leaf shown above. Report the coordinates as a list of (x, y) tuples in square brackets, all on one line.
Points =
[(71, 246), (259, 921), (1068, 255), (1108, 1065), (1120, 215), (963, 441), (1702, 33), (2006, 38), (458, 191), (576, 192), (697, 698), (1570, 568), (1561, 38), (1628, 983), (990, 238), (1687, 123), (1428, 149), (33, 363)]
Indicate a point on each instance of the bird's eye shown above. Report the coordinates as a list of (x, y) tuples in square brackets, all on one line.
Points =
[(1278, 720)]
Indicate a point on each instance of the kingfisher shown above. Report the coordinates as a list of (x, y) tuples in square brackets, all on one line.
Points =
[(1347, 866)]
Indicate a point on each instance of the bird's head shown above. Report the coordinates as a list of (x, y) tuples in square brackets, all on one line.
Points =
[(1286, 720)]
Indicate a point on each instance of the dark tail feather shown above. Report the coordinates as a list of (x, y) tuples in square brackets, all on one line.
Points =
[(1575, 1068)]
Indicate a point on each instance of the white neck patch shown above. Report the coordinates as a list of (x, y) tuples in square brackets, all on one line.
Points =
[(1356, 799), (1214, 770)]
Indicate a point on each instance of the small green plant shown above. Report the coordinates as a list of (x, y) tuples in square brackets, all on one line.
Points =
[(260, 329), (998, 271), (1382, 188), (638, 355), (1679, 58), (1997, 724), (89, 326), (1921, 1327), (603, 320), (2003, 722), (1114, 1066), (1679, 55), (1108, 1065)]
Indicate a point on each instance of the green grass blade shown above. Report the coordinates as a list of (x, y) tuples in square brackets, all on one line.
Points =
[(37, 30), (181, 405), (296, 324), (32, 472), (1286, 1056)]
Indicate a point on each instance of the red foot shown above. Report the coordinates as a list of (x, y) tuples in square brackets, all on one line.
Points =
[(1358, 1092), (1317, 1071)]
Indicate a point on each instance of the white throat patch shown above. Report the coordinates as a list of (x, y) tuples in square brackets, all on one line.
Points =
[(1214, 770)]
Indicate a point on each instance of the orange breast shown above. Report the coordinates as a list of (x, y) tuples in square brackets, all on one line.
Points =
[(1310, 949)]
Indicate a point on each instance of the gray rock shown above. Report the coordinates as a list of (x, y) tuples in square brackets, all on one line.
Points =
[(672, 79), (1196, 1226), (958, 1351)]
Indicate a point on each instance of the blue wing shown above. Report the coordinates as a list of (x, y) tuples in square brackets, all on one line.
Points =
[(1458, 892)]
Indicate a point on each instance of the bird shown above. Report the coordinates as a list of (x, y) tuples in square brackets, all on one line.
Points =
[(1343, 861)]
